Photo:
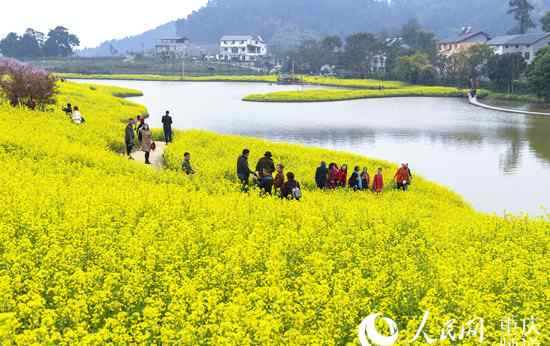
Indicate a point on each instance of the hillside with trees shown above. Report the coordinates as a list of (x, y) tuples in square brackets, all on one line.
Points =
[(286, 23)]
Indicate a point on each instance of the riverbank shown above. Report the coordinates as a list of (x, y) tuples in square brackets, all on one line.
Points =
[(474, 101), (310, 80), (325, 95), (100, 249)]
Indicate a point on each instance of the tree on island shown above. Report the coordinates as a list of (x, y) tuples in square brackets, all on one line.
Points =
[(545, 21), (539, 74), (60, 43), (521, 9)]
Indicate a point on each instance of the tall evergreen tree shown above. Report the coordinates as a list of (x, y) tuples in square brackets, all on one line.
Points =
[(545, 21), (521, 9)]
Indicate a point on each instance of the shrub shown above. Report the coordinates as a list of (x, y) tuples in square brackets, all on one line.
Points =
[(23, 84)]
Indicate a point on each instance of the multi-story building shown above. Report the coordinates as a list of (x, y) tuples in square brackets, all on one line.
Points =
[(527, 45), (171, 47), (246, 48), (466, 39)]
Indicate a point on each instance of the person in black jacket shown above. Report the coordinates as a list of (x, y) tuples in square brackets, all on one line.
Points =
[(265, 164), (129, 137), (243, 171), (167, 127), (321, 175)]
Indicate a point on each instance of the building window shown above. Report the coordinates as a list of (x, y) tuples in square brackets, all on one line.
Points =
[(527, 56), (517, 47)]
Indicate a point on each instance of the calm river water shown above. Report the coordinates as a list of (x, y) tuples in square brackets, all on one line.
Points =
[(499, 162)]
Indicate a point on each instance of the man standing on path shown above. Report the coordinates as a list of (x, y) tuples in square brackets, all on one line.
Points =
[(167, 126), (129, 137)]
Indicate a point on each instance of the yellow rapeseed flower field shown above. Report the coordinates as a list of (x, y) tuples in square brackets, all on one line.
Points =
[(97, 249)]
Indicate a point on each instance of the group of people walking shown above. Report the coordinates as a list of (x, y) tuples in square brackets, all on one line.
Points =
[(138, 128), (333, 177), (285, 186), (268, 177)]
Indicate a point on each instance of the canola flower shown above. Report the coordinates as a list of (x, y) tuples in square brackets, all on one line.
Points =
[(329, 95), (97, 249)]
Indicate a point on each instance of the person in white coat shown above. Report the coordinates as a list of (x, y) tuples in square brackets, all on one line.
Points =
[(76, 116)]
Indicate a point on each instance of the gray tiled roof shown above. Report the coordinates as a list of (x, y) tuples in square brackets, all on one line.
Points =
[(511, 40), (237, 38), (462, 37)]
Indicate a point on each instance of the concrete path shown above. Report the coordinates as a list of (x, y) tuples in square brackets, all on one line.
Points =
[(156, 157), (475, 102)]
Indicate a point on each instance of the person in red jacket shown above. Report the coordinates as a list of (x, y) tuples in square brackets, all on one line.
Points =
[(378, 182), (333, 173), (402, 177), (343, 176)]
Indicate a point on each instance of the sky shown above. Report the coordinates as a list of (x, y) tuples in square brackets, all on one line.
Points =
[(92, 21)]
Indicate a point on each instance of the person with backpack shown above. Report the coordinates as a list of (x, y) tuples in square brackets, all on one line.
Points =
[(355, 182), (147, 143), (321, 175), (243, 170), (129, 137), (365, 179), (186, 164), (378, 182), (291, 189), (167, 127)]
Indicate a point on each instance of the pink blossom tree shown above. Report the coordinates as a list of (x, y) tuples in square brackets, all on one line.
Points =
[(24, 84)]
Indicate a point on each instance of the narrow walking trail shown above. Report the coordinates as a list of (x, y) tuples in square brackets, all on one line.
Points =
[(473, 100), (156, 157)]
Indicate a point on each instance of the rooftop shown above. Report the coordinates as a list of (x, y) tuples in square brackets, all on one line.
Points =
[(465, 34), (526, 39), (240, 38)]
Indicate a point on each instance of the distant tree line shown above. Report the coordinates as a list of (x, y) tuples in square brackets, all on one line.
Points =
[(411, 55), (33, 44)]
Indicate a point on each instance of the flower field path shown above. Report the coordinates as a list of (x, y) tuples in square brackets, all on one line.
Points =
[(156, 157)]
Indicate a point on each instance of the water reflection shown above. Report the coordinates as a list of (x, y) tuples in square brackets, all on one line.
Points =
[(495, 160)]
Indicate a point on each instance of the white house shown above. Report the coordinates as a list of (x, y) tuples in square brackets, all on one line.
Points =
[(174, 47), (527, 45), (242, 48)]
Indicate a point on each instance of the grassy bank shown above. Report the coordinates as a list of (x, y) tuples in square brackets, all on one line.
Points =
[(314, 80), (495, 96), (149, 77), (324, 95), (97, 249)]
